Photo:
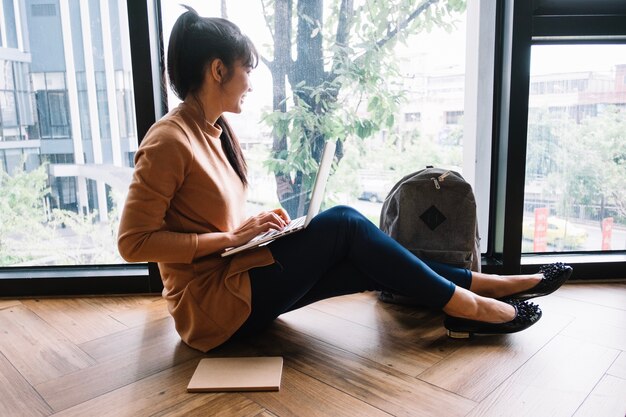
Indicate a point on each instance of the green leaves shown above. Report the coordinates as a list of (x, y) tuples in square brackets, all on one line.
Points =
[(360, 91), (583, 163)]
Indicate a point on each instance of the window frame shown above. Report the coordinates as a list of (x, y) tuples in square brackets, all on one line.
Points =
[(522, 24), (517, 22), (143, 21)]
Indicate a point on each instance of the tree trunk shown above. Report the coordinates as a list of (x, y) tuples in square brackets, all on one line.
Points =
[(279, 68), (308, 70)]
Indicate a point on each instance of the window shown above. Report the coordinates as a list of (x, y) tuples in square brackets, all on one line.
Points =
[(60, 107), (9, 22), (575, 151), (381, 142), (561, 101), (453, 117), (412, 117), (52, 108)]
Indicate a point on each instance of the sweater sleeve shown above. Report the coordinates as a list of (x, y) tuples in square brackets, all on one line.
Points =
[(161, 164)]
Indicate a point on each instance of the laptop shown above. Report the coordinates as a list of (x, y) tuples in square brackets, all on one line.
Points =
[(299, 223)]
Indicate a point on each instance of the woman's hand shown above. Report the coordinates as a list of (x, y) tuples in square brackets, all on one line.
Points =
[(209, 243), (275, 219)]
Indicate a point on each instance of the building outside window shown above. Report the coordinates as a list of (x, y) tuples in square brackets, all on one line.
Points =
[(67, 133)]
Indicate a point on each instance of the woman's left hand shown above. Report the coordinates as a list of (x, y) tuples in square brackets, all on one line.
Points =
[(282, 214)]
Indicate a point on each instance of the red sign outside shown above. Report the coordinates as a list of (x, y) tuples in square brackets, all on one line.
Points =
[(540, 240), (607, 231)]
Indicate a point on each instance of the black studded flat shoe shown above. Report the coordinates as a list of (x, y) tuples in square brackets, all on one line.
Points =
[(554, 275), (526, 314)]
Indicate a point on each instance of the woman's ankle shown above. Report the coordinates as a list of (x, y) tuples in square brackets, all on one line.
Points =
[(467, 305), (499, 286)]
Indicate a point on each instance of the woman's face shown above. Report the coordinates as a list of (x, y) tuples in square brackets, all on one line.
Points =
[(235, 88)]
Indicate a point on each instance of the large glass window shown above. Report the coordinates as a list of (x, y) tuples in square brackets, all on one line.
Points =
[(65, 77), (575, 198), (387, 79)]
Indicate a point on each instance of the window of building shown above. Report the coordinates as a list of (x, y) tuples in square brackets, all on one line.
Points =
[(453, 117), (412, 117), (9, 23)]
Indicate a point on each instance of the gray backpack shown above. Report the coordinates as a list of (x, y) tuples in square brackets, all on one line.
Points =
[(432, 213)]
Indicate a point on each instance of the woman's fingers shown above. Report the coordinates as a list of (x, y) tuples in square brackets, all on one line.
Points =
[(282, 214), (261, 223)]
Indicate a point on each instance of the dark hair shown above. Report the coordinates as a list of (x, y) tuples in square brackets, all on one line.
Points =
[(194, 43)]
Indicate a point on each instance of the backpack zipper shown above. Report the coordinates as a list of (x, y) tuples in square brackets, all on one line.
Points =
[(439, 179)]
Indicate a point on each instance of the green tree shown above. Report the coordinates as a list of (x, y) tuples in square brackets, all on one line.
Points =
[(22, 213), (584, 164), (90, 241), (340, 85), (593, 161), (544, 129), (32, 233)]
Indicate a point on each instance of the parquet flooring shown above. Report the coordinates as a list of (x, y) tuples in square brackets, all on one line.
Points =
[(347, 356)]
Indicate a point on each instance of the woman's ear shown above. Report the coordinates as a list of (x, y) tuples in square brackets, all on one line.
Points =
[(218, 70)]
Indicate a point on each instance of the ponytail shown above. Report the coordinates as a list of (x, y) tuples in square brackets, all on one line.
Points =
[(232, 149)]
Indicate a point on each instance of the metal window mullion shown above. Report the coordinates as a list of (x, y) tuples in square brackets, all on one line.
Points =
[(478, 117), (18, 24), (3, 26), (72, 92), (92, 98), (110, 80)]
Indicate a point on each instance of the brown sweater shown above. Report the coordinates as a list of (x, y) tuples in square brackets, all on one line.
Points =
[(184, 185)]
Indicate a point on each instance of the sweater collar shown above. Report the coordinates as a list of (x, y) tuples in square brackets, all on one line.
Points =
[(191, 106)]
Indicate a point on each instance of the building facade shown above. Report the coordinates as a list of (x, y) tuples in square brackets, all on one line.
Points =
[(67, 99)]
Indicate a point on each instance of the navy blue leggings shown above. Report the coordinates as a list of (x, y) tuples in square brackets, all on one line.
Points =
[(342, 252)]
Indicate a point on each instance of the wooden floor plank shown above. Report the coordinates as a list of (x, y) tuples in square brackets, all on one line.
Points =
[(608, 399), (122, 368), (17, 396), (347, 356), (79, 320), (131, 339), (300, 395), (9, 303), (596, 294), (592, 322), (554, 382), (381, 386), (37, 350), (618, 368), (214, 405), (166, 391), (404, 354), (145, 397), (132, 310), (424, 327), (482, 363)]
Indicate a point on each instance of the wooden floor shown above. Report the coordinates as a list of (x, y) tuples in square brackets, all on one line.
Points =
[(349, 356)]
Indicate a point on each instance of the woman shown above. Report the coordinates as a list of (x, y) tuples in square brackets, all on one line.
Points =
[(186, 205)]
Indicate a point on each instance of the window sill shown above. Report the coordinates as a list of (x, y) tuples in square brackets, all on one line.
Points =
[(84, 280)]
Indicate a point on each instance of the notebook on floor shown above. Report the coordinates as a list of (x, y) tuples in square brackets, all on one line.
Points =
[(300, 223), (237, 374)]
